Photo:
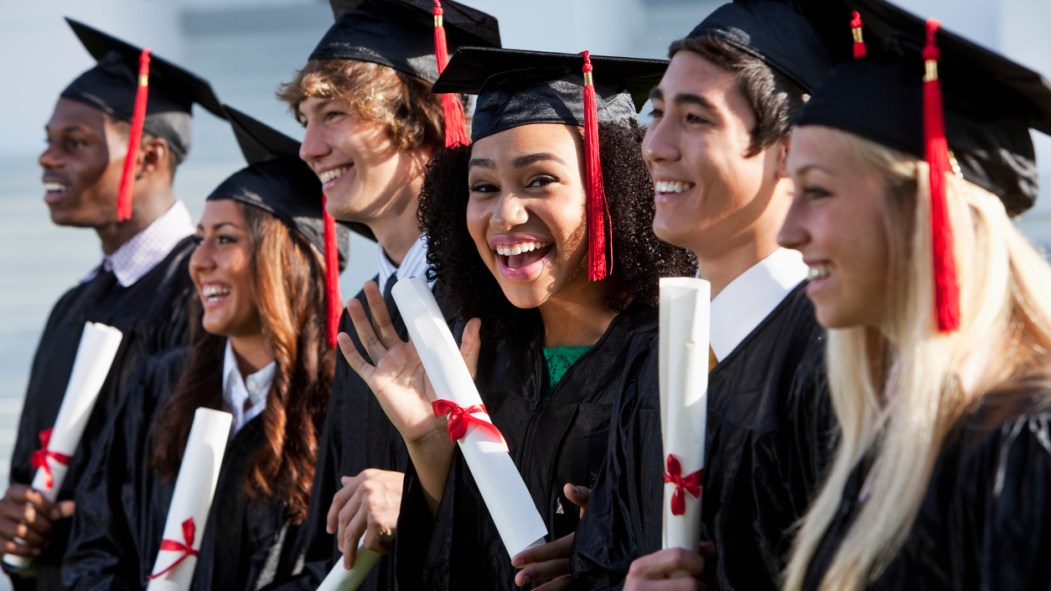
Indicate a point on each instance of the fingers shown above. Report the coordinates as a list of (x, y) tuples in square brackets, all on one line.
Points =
[(366, 333), (62, 510), (560, 548), (349, 525), (380, 316), (352, 532), (339, 500), (664, 565), (471, 344), (578, 495)]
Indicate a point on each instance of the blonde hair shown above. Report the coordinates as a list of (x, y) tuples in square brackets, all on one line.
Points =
[(899, 391)]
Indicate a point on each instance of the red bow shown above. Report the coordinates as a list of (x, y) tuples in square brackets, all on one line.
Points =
[(691, 483), (185, 546), (461, 418), (39, 458)]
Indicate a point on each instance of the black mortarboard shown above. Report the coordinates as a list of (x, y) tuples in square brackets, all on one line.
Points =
[(278, 182), (990, 102), (516, 87), (400, 33), (776, 32), (112, 85)]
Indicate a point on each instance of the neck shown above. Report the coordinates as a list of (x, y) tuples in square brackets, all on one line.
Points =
[(720, 269), (396, 232), (252, 353), (577, 319), (146, 210)]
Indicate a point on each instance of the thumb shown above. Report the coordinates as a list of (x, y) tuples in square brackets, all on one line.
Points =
[(578, 495), (471, 344), (62, 510)]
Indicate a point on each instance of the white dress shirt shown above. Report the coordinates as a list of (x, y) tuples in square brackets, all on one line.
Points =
[(138, 256), (244, 397), (413, 265)]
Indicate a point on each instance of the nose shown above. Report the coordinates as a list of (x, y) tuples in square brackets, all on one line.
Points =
[(315, 145), (201, 259), (793, 232), (508, 211), (49, 159), (660, 143)]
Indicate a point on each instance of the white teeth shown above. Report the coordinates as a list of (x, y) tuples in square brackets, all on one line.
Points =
[(818, 272), (328, 175), (210, 291), (519, 248), (672, 186), (54, 187)]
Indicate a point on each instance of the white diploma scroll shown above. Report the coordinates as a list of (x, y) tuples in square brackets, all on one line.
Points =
[(98, 346), (191, 500), (341, 579), (502, 488), (685, 314)]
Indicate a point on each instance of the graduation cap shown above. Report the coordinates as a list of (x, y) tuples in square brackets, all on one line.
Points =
[(400, 33), (278, 182), (939, 97), (516, 87), (777, 32), (151, 93)]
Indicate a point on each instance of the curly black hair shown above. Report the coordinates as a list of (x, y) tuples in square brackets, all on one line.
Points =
[(639, 257)]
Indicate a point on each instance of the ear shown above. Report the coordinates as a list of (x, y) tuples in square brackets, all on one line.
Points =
[(782, 148), (154, 155)]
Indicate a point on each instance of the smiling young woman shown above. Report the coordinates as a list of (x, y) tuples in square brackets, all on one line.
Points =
[(507, 219)]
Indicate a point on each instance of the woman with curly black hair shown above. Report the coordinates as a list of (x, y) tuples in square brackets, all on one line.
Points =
[(559, 328)]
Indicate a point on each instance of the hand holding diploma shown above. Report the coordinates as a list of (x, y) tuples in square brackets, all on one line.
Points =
[(95, 353)]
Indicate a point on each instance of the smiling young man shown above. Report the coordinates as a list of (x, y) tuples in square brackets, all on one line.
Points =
[(371, 126), (141, 285), (716, 149)]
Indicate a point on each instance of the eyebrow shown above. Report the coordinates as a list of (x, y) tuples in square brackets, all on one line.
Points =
[(802, 170), (69, 129), (219, 225), (519, 162), (684, 98)]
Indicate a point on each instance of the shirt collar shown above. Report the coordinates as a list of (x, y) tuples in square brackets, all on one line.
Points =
[(751, 297), (236, 390), (413, 265), (148, 248)]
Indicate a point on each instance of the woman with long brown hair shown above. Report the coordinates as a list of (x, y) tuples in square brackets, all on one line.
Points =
[(261, 351)]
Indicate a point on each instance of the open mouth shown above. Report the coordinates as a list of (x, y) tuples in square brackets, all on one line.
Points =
[(54, 191), (521, 259), (672, 187), (213, 294), (330, 177), (818, 271)]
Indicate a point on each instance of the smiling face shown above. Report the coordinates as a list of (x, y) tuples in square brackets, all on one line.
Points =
[(221, 269), (711, 196), (838, 220), (526, 212), (82, 166), (364, 175)]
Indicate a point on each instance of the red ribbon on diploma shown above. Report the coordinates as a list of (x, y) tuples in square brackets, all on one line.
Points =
[(691, 483), (461, 418), (185, 546), (39, 458)]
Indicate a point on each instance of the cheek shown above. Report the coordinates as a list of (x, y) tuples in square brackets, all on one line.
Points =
[(477, 221)]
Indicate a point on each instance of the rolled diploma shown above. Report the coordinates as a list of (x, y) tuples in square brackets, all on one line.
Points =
[(685, 308), (98, 346), (502, 488), (192, 497), (341, 579)]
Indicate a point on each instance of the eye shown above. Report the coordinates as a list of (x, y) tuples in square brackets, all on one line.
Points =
[(197, 239), (656, 113), (695, 119), (815, 192), (484, 187), (227, 239), (75, 144), (541, 180), (333, 115)]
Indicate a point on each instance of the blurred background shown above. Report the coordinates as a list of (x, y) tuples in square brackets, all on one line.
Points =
[(246, 48)]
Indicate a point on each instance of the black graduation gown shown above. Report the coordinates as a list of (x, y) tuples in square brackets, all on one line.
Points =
[(356, 435), (153, 315), (124, 504), (552, 442), (769, 419), (985, 520)]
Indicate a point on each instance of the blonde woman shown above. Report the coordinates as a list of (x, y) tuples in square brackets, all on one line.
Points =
[(943, 467)]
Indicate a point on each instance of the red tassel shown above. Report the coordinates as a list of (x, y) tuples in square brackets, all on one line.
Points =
[(859, 40), (597, 210), (334, 300), (946, 286), (455, 119), (138, 118)]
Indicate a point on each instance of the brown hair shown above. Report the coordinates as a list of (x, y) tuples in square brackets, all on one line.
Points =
[(774, 98), (290, 293), (404, 105)]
